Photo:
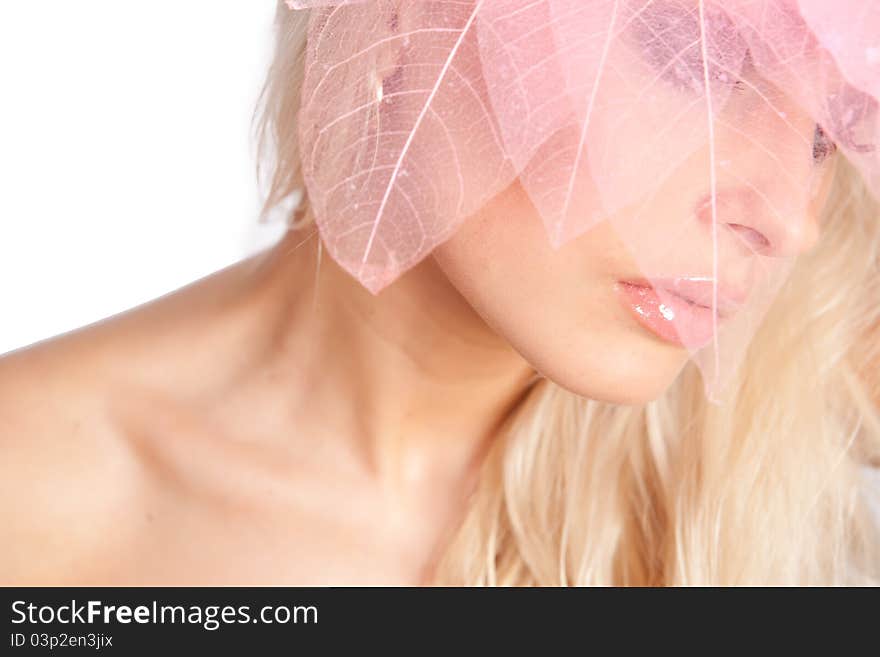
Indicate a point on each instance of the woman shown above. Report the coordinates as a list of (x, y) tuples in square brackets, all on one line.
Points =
[(463, 400)]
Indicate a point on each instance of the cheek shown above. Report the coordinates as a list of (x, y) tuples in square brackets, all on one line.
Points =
[(557, 309), (500, 261)]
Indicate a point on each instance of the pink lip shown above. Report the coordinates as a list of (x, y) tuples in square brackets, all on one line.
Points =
[(700, 291), (679, 310)]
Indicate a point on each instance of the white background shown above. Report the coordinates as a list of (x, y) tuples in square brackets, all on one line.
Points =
[(126, 159)]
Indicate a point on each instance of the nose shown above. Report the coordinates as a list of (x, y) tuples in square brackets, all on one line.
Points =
[(759, 227)]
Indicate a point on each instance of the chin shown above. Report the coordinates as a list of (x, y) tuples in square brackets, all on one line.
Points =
[(630, 372)]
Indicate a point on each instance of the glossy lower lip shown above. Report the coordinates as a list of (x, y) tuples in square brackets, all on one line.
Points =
[(673, 318)]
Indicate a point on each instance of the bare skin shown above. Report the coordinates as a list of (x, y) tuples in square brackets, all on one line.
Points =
[(256, 427)]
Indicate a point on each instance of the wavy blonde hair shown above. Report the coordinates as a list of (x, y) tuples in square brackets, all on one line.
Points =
[(766, 488)]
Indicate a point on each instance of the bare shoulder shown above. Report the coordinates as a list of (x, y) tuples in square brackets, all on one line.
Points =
[(63, 475), (70, 477)]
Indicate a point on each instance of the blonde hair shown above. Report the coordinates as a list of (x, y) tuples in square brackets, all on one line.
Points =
[(766, 488)]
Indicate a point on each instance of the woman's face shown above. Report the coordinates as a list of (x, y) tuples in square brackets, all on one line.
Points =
[(676, 259), (585, 315)]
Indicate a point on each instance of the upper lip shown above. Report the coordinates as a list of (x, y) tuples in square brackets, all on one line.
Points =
[(700, 291)]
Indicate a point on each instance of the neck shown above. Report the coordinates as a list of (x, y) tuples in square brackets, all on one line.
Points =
[(412, 378)]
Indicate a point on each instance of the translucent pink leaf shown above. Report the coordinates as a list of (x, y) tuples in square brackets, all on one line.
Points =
[(851, 33), (399, 142)]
